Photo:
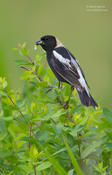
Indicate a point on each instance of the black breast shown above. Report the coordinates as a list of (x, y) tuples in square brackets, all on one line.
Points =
[(50, 58)]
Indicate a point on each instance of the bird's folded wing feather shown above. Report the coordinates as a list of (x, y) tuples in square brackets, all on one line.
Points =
[(68, 68), (80, 69)]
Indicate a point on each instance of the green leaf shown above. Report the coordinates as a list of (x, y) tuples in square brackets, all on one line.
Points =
[(23, 62), (58, 168), (3, 83), (79, 127), (61, 150), (108, 114), (2, 93), (71, 172), (22, 49), (43, 166), (91, 148), (35, 47), (54, 115), (15, 49), (2, 136), (2, 126), (73, 159)]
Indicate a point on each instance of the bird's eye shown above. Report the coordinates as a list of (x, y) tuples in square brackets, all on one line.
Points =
[(46, 39)]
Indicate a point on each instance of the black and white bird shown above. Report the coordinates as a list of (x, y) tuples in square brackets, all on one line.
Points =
[(66, 68)]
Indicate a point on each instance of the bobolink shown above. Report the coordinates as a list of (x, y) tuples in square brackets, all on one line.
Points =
[(66, 68)]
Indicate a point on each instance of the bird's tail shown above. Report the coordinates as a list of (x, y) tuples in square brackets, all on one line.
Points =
[(85, 99)]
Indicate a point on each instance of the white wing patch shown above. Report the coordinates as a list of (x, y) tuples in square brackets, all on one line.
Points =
[(61, 58), (81, 79)]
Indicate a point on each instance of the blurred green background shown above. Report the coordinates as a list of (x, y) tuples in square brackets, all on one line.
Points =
[(84, 26)]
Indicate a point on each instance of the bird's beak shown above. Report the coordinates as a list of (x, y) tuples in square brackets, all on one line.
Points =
[(39, 42)]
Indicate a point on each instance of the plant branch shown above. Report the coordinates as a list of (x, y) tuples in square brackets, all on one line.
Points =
[(29, 144), (35, 73), (30, 59), (22, 115), (53, 121), (79, 147), (23, 67), (34, 167)]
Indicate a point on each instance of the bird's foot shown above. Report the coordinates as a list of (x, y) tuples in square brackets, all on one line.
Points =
[(52, 86)]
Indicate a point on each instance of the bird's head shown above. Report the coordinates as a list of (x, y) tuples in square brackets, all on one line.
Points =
[(47, 42)]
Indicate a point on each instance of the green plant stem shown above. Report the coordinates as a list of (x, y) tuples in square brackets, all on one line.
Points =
[(30, 59), (34, 167), (29, 144), (79, 147), (22, 115)]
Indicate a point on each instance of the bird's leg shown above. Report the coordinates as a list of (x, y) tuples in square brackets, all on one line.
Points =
[(67, 102), (57, 87), (60, 85)]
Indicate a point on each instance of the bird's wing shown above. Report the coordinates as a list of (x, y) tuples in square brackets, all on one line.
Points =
[(80, 68), (68, 68)]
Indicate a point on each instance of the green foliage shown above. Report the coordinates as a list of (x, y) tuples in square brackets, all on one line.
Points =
[(74, 161), (39, 136)]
